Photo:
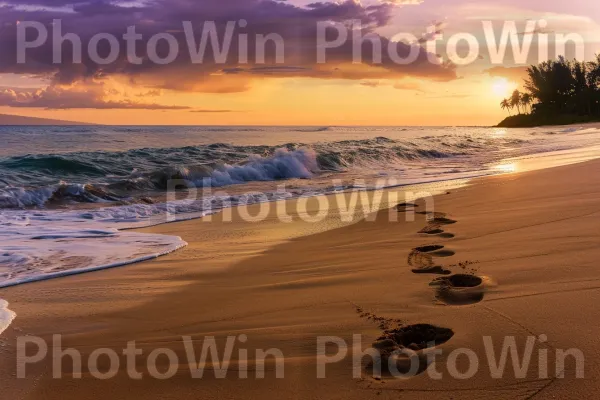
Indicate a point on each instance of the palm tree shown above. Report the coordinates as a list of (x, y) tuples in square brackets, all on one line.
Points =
[(594, 85), (561, 87), (515, 100), (505, 104), (526, 100)]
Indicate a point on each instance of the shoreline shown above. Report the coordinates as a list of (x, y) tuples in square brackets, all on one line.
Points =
[(538, 161), (519, 228), (531, 121)]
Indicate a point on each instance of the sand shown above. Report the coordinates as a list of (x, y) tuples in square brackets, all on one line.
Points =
[(524, 246)]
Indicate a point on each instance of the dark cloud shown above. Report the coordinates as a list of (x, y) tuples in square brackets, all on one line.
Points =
[(95, 96), (297, 25), (275, 69)]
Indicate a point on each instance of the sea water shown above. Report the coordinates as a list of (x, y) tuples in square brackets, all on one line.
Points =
[(69, 195)]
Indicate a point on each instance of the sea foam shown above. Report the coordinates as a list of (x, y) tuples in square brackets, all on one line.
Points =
[(6, 316), (43, 244), (38, 245)]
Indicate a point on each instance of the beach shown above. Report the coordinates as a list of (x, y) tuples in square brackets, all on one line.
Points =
[(264, 199), (530, 237)]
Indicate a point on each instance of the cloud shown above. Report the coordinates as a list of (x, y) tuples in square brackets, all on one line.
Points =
[(434, 33), (413, 86), (77, 96), (409, 86), (516, 74), (404, 2), (295, 24), (450, 96), (270, 70), (372, 84), (212, 111)]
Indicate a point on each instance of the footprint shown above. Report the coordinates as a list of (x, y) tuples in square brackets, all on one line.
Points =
[(443, 253), (423, 255), (418, 337), (436, 221), (446, 235), (459, 289), (418, 259), (415, 338), (443, 221), (432, 230), (422, 259), (437, 231), (428, 249), (403, 207), (460, 281)]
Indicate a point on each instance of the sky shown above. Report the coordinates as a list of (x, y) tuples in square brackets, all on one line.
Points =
[(291, 87)]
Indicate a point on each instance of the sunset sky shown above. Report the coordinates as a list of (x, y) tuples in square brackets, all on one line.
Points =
[(299, 91)]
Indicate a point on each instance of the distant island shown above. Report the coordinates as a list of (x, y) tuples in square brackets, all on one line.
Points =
[(558, 92), (7, 119)]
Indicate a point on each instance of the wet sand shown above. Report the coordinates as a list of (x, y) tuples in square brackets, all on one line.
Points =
[(508, 256)]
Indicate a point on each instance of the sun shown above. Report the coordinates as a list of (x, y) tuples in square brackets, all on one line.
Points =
[(502, 87)]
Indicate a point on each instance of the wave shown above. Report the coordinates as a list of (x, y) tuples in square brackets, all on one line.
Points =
[(282, 165), (90, 177), (54, 164), (309, 130), (38, 197)]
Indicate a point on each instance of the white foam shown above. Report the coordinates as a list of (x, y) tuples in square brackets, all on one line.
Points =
[(6, 316), (39, 245), (283, 165), (36, 253), (43, 244)]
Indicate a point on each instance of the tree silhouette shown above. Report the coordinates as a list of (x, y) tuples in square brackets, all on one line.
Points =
[(560, 87), (526, 100), (515, 100), (505, 104)]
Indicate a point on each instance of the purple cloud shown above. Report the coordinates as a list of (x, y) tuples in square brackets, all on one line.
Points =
[(92, 96), (296, 25)]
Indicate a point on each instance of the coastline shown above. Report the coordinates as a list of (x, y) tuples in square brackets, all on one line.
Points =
[(534, 121), (532, 235)]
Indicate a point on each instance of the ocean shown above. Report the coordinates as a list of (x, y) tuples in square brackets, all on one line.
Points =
[(69, 195)]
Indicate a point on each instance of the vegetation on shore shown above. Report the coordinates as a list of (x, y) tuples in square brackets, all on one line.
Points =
[(558, 92), (533, 120)]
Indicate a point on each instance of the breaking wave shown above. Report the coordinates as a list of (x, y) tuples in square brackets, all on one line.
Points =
[(95, 177)]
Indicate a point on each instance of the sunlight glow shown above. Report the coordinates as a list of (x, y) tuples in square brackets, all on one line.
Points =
[(502, 87), (506, 168), (498, 132)]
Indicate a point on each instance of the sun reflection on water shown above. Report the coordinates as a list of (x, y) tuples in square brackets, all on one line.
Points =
[(506, 168), (497, 132)]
